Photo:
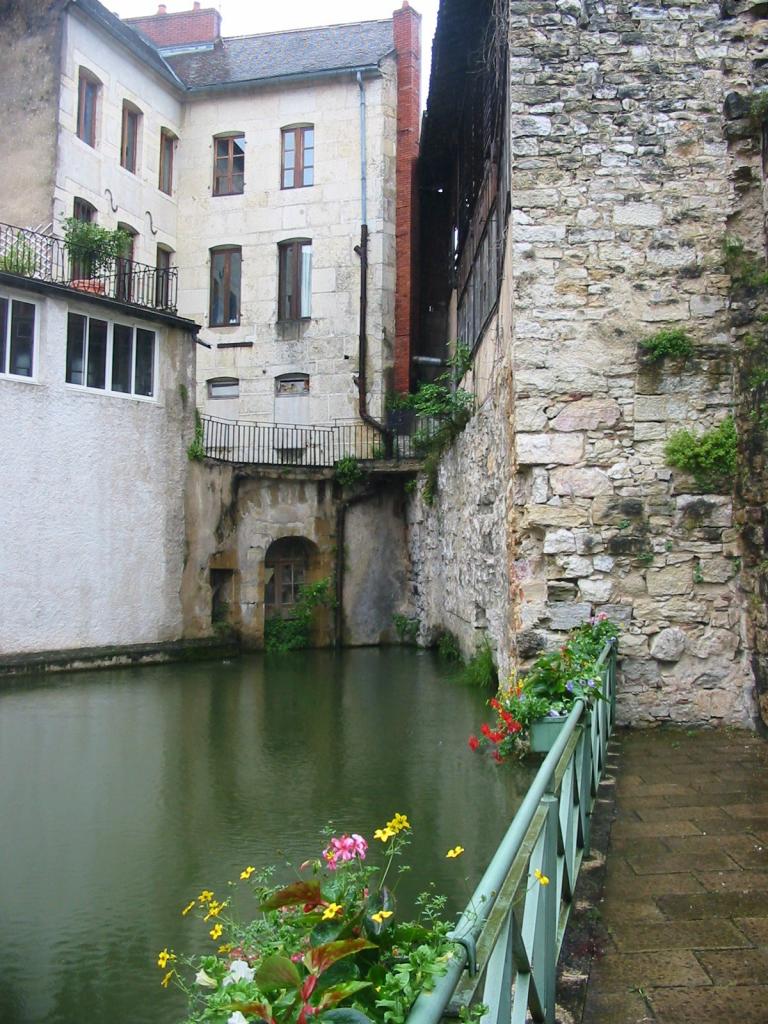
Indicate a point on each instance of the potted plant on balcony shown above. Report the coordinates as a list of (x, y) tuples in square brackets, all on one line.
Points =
[(18, 256), (530, 712), (93, 252)]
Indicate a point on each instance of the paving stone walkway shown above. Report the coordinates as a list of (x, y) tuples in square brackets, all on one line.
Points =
[(685, 904)]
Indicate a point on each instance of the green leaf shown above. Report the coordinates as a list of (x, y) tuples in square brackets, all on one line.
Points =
[(334, 995), (278, 972), (320, 958), (327, 931), (344, 1016), (262, 1011), (294, 895)]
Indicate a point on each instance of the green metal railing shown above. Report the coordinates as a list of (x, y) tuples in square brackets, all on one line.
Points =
[(511, 932)]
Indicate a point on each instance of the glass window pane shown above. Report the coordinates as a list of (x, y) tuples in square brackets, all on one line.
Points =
[(122, 358), (289, 141), (309, 175), (309, 137), (288, 179), (145, 362), (286, 282), (3, 332), (238, 148), (290, 160), (22, 338), (96, 373), (306, 279), (222, 148), (237, 183), (234, 288), (75, 348), (217, 287)]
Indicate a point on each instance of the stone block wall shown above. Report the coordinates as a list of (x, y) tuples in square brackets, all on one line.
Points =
[(623, 188)]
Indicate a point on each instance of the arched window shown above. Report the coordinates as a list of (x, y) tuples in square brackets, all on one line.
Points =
[(286, 563), (129, 141), (294, 279), (297, 167), (223, 387), (88, 91), (228, 164), (225, 286)]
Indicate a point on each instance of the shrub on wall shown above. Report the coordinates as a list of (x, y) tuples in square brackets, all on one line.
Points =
[(710, 458)]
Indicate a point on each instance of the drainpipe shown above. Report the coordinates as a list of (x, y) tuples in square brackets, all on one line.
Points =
[(362, 252)]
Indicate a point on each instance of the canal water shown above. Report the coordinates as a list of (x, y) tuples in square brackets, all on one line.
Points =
[(126, 792)]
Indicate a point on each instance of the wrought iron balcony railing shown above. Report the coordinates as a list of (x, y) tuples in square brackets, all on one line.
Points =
[(46, 258), (269, 444)]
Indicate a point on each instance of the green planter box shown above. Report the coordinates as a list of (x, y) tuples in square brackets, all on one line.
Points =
[(544, 732)]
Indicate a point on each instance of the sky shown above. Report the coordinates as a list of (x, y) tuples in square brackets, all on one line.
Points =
[(245, 17)]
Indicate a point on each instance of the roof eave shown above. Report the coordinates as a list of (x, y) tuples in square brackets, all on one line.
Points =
[(370, 70)]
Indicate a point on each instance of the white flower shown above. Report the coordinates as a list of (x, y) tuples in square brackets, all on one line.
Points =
[(236, 1018), (238, 971), (205, 980)]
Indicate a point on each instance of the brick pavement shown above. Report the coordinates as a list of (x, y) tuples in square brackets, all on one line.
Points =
[(685, 902)]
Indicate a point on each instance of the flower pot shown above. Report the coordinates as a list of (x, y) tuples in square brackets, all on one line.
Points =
[(89, 284), (544, 731)]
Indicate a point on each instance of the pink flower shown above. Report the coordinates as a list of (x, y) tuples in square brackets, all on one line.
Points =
[(344, 848)]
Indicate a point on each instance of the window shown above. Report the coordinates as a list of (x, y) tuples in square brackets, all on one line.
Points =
[(223, 387), (298, 157), (17, 337), (286, 565), (124, 267), (167, 145), (84, 211), (292, 403), (295, 279), (225, 287), (87, 98), (228, 164), (163, 278), (129, 145), (110, 357)]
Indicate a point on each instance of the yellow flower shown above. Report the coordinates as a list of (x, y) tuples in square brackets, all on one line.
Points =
[(455, 852), (226, 948), (384, 833), (163, 957), (214, 909), (167, 978), (331, 911), (187, 909), (247, 872), (205, 896), (398, 823), (381, 915), (216, 931), (540, 878)]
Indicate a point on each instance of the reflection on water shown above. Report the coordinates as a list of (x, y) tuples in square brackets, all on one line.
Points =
[(124, 793)]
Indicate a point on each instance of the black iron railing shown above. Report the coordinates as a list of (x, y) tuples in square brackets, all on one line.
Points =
[(46, 258), (313, 447)]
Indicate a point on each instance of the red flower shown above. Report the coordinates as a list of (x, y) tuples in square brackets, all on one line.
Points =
[(495, 704), (485, 729), (495, 737), (497, 757), (474, 742)]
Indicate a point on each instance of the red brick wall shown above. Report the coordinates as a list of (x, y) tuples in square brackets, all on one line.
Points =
[(407, 31), (196, 26)]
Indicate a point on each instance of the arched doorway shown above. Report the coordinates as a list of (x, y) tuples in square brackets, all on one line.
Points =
[(288, 564)]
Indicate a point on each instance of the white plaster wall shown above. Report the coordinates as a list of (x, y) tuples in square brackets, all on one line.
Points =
[(85, 171), (91, 499), (328, 212)]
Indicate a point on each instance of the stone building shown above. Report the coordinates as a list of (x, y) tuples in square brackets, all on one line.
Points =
[(577, 207), (266, 188)]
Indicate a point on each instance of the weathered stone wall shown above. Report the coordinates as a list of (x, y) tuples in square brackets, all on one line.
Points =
[(235, 513), (623, 188)]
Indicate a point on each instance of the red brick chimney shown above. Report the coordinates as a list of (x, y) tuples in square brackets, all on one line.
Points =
[(407, 31), (181, 29)]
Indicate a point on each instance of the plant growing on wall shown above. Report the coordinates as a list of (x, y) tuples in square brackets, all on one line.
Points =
[(294, 633), (710, 458), (348, 471), (19, 257), (92, 248), (196, 450), (745, 270), (671, 343), (480, 670), (407, 629)]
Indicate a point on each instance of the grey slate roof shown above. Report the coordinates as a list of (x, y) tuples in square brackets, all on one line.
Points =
[(279, 54)]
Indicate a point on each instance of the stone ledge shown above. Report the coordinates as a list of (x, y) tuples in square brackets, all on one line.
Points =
[(205, 648)]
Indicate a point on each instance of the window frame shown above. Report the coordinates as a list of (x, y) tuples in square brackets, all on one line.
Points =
[(10, 298), (165, 169), (231, 382), (300, 149), (82, 207), (129, 137), (230, 156), (86, 131), (225, 251), (163, 265), (290, 306), (109, 355)]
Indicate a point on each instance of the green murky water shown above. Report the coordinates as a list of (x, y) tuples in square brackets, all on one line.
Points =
[(124, 793)]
